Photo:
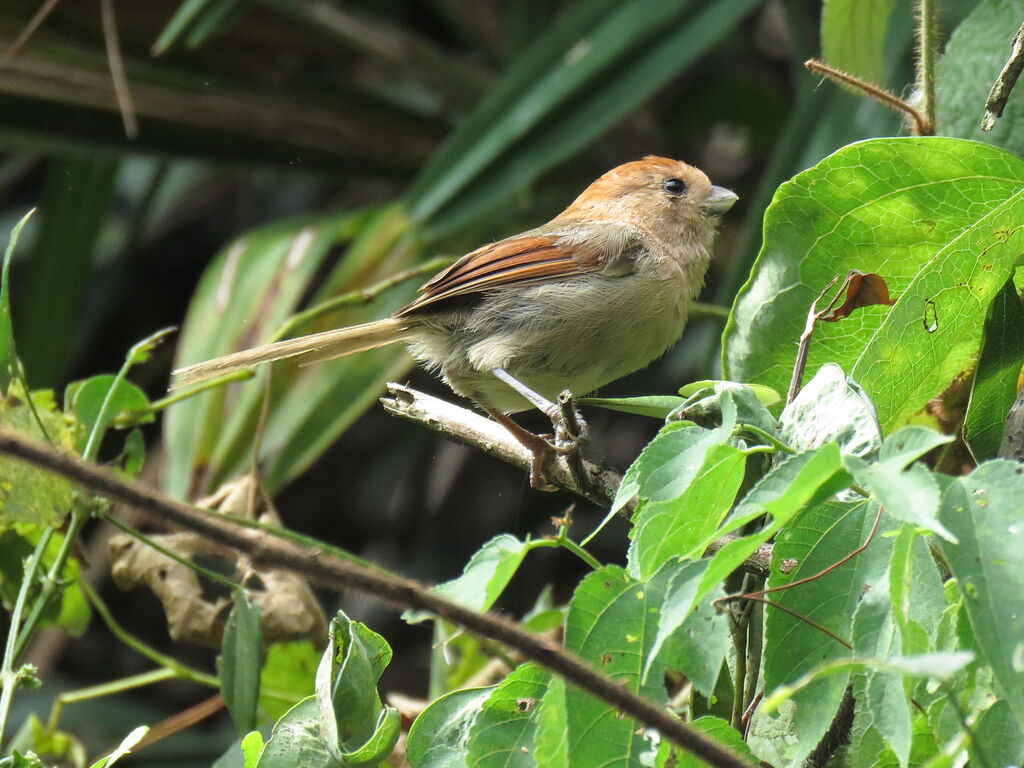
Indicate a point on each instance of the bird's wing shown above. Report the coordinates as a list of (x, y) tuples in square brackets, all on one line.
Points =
[(525, 259)]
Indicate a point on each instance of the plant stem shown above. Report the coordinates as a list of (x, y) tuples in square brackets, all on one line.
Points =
[(140, 647), (768, 438), (8, 677), (105, 689), (567, 543), (185, 394), (927, 53)]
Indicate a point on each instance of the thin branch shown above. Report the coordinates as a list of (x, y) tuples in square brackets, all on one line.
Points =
[(27, 31), (927, 54), (921, 125), (329, 570), (796, 615), (117, 75), (468, 428), (1004, 83)]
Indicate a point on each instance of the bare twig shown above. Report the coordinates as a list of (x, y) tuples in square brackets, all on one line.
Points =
[(1004, 83), (27, 31), (805, 342), (922, 127), (117, 75), (927, 54), (468, 428), (326, 568)]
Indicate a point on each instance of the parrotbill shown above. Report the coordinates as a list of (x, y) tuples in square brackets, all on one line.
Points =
[(596, 293)]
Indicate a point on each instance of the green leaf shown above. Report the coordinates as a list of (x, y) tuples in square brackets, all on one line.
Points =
[(483, 579), (720, 731), (995, 381), (973, 57), (691, 641), (354, 724), (77, 195), (766, 395), (915, 591), (593, 66), (1001, 736), (853, 36), (290, 668), (705, 406), (502, 735), (551, 740), (252, 747), (917, 211), (612, 623), (440, 735), (8, 356), (297, 733), (799, 482), (240, 661), (911, 495), (655, 406), (679, 527), (85, 398), (669, 463), (983, 511), (884, 706), (831, 409), (821, 537), (29, 494)]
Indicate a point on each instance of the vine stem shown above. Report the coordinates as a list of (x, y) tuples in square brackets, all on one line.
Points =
[(330, 570), (927, 54)]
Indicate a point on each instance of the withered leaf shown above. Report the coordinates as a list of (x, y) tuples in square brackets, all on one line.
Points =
[(862, 290)]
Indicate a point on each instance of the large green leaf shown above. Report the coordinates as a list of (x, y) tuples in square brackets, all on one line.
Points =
[(853, 36), (612, 623), (588, 70), (974, 54), (502, 735), (440, 734), (937, 218), (822, 537), (984, 510)]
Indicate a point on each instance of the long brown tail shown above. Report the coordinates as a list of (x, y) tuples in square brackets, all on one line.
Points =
[(316, 346)]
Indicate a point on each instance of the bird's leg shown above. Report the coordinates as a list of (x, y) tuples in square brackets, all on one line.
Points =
[(570, 431), (540, 450)]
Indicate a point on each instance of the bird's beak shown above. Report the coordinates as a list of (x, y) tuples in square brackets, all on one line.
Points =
[(720, 200)]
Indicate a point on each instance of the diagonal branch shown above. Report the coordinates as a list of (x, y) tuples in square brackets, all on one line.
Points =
[(331, 570)]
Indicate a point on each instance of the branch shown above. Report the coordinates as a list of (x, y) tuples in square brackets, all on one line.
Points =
[(463, 426), (330, 570), (1003, 85)]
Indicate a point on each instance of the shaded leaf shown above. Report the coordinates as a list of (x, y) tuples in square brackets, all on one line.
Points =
[(502, 734), (655, 406), (720, 731), (439, 736), (240, 661), (853, 36), (983, 510), (8, 356), (995, 381), (85, 399), (972, 59), (289, 668), (483, 579)]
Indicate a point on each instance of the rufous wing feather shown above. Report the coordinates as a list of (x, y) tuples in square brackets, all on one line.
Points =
[(518, 260), (318, 346)]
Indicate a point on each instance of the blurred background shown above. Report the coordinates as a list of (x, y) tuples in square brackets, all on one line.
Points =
[(219, 165)]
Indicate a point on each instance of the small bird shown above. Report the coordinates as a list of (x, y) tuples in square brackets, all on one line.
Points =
[(596, 293)]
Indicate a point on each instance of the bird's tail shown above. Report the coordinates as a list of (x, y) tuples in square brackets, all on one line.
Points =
[(313, 348)]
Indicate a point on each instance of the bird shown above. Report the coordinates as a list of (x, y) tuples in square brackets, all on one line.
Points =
[(598, 292)]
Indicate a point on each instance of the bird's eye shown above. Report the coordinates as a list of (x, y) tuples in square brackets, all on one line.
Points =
[(675, 186)]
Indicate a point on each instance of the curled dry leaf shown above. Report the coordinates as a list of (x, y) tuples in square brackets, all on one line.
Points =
[(862, 290), (197, 608)]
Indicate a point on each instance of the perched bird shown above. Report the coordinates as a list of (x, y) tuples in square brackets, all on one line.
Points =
[(596, 293)]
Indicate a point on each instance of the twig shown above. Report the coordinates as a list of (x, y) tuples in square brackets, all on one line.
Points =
[(927, 54), (27, 31), (468, 428), (805, 342), (327, 569), (1004, 83), (921, 125), (117, 76)]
